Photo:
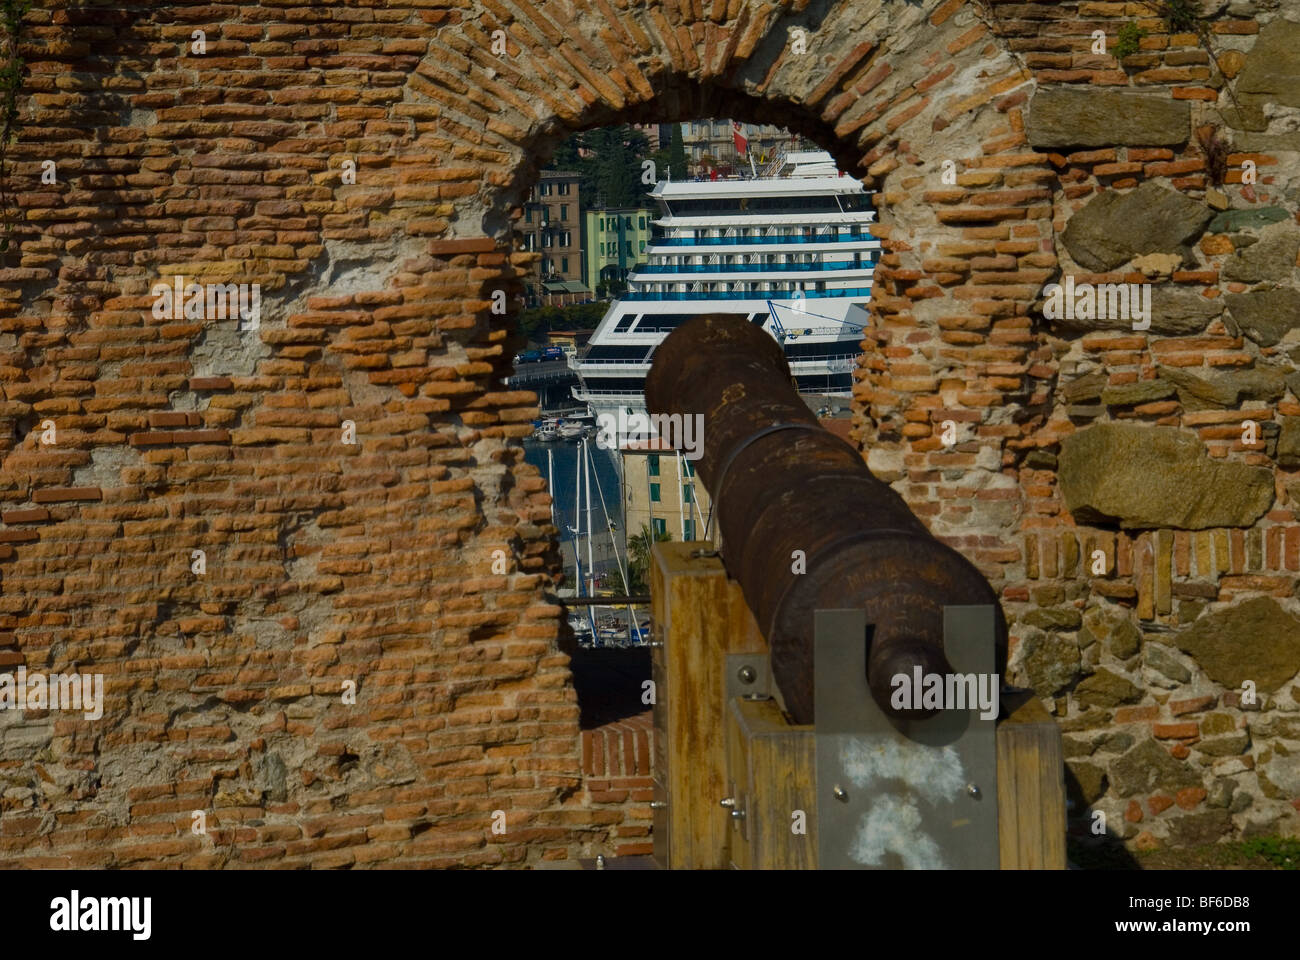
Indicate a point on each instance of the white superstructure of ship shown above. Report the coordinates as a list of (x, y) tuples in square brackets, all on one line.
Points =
[(790, 249)]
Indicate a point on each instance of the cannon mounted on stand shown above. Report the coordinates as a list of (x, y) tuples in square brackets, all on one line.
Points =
[(829, 679)]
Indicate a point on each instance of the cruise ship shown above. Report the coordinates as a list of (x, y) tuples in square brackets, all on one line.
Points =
[(790, 249)]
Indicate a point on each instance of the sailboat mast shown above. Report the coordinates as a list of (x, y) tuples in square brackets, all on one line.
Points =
[(681, 493), (550, 480), (591, 570), (577, 518)]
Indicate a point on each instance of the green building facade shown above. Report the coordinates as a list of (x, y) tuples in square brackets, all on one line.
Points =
[(614, 241)]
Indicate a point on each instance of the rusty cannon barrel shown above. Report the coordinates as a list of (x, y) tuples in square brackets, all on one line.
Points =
[(785, 488)]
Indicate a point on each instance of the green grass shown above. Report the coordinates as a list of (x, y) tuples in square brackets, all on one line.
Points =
[(1260, 853), (1282, 852)]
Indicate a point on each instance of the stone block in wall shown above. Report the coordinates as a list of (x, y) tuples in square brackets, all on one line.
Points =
[(1288, 443), (1272, 70), (1048, 661), (1271, 258), (1175, 311), (1266, 316), (1147, 477), (1148, 767), (1198, 829), (1063, 118), (1114, 227), (1105, 688), (1226, 388), (1256, 640), (1114, 627), (1230, 221), (1162, 668)]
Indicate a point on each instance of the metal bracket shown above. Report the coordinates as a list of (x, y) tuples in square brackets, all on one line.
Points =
[(747, 675), (916, 794)]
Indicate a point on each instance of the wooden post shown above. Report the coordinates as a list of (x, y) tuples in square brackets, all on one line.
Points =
[(700, 617), (773, 767), (1031, 787)]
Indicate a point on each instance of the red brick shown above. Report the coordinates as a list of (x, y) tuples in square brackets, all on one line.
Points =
[(1159, 803), (1195, 705), (66, 494), (1136, 714)]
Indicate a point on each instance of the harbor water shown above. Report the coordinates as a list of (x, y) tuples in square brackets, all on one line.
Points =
[(605, 475)]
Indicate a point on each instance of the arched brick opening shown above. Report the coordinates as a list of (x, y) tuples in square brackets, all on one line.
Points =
[(896, 105), (374, 562)]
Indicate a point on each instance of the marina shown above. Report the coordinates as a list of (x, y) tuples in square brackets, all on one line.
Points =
[(788, 250), (588, 512)]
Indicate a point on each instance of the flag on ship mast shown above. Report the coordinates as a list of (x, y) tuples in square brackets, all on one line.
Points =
[(738, 138)]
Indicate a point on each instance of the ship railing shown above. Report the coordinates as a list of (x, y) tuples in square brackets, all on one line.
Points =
[(754, 267), (741, 241), (784, 294)]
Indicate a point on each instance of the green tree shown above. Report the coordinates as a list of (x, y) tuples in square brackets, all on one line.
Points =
[(614, 164), (608, 161), (677, 154), (566, 154)]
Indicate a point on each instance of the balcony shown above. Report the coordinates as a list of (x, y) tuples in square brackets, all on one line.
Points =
[(734, 241), (755, 267), (784, 294)]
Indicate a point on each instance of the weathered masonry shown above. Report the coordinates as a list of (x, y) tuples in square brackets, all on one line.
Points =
[(1131, 493)]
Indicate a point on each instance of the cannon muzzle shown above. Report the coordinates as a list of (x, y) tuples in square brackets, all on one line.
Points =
[(804, 523)]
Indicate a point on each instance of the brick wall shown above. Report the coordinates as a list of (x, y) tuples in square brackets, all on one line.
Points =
[(617, 762), (364, 165)]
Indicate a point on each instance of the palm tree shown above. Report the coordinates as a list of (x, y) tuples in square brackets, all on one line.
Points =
[(638, 559)]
